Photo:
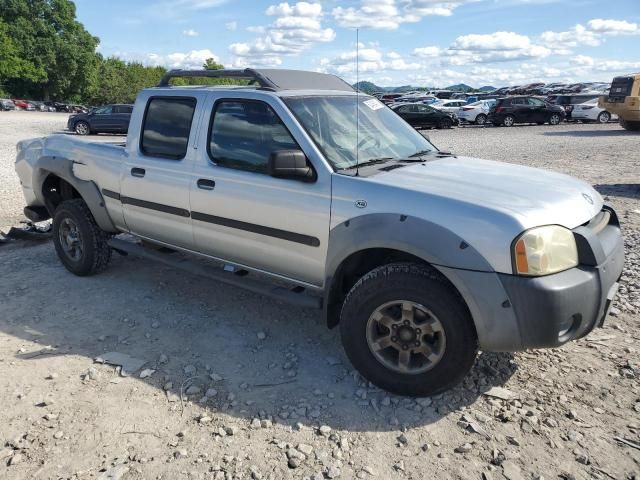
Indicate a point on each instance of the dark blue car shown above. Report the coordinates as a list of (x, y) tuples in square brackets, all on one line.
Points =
[(107, 119)]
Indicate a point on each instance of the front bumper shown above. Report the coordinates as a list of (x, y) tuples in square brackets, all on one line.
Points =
[(513, 312)]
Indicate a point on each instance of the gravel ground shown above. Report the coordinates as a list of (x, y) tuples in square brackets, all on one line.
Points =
[(239, 386)]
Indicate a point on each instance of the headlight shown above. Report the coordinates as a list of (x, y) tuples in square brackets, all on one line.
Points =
[(544, 250)]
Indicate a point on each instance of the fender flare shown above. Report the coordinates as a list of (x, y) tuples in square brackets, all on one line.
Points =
[(88, 190), (432, 243)]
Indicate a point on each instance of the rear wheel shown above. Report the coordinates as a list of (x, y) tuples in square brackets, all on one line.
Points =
[(82, 128), (508, 121), (554, 119), (604, 117), (630, 126), (407, 331), (80, 243), (481, 119)]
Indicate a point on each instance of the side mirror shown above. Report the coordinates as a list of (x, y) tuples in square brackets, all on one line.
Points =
[(290, 164)]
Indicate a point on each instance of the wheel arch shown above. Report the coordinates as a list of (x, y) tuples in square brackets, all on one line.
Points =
[(55, 181), (359, 245)]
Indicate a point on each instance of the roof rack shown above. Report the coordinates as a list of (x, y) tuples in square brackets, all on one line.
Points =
[(270, 79), (246, 74)]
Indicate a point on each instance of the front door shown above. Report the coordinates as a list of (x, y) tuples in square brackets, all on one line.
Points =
[(538, 110), (102, 119), (243, 215), (155, 177)]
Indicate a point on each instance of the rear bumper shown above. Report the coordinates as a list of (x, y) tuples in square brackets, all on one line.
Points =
[(513, 312)]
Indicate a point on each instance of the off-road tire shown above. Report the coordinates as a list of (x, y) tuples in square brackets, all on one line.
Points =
[(82, 128), (415, 283), (630, 126), (96, 253)]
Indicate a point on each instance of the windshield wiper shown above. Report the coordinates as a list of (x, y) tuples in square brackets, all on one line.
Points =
[(371, 161), (420, 153)]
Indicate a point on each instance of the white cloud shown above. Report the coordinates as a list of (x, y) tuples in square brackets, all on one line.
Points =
[(492, 47), (613, 27), (295, 28), (492, 41), (369, 60), (193, 59), (390, 14), (578, 35), (431, 51), (190, 33), (231, 26)]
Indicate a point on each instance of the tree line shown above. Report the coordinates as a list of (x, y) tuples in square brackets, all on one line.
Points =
[(46, 54)]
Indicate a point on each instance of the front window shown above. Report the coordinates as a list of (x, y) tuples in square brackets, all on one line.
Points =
[(332, 123)]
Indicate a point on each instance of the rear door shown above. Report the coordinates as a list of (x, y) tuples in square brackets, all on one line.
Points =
[(244, 215), (520, 109), (156, 175)]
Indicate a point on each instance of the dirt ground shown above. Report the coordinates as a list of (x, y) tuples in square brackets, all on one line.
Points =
[(238, 386)]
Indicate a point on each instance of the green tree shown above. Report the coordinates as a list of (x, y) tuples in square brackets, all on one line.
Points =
[(50, 54), (211, 64)]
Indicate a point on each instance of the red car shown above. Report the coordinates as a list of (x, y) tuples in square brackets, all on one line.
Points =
[(24, 105)]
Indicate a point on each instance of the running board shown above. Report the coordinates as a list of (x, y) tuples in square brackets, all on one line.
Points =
[(293, 296)]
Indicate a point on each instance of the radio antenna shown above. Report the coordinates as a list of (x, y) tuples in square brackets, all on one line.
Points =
[(357, 101)]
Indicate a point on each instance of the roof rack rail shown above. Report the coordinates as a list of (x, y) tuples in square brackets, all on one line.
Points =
[(246, 74), (269, 79)]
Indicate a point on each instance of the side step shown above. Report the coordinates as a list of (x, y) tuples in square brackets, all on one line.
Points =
[(293, 296)]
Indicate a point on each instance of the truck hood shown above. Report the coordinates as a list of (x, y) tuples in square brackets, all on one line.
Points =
[(531, 196)]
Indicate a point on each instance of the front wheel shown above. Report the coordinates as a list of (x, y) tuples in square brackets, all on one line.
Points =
[(445, 123), (82, 128), (555, 119), (80, 243), (407, 331), (481, 119), (604, 117)]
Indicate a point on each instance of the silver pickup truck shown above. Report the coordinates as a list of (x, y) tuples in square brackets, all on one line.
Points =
[(421, 257)]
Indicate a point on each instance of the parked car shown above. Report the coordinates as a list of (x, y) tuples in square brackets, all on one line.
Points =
[(6, 104), (107, 119), (443, 94), (450, 106), (421, 116), (39, 106), (58, 106), (569, 101), (23, 105), (389, 98), (419, 256), (476, 112), (522, 109), (590, 112)]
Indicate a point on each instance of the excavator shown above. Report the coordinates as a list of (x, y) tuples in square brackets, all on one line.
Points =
[(624, 100)]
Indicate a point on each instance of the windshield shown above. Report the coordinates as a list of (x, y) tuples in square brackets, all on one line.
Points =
[(331, 123)]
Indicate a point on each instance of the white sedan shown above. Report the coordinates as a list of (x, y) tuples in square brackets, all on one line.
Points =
[(591, 112), (476, 112), (450, 106)]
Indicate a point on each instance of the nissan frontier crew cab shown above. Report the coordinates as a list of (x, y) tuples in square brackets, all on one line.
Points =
[(421, 257)]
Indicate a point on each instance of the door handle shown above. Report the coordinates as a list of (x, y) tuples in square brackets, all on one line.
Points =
[(138, 172), (206, 184)]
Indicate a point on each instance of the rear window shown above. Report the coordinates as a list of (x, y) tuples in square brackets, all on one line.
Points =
[(166, 127)]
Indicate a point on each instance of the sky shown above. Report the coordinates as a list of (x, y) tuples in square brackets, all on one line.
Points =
[(401, 42)]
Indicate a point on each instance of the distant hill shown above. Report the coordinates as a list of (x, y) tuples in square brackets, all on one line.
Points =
[(460, 87), (368, 87), (487, 89)]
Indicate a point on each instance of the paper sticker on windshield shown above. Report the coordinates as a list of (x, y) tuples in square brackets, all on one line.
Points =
[(374, 104)]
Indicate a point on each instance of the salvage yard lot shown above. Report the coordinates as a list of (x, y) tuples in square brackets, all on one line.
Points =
[(258, 378)]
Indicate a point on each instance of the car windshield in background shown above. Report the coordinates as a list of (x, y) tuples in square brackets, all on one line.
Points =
[(331, 123)]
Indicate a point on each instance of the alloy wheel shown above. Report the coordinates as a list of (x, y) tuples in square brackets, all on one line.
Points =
[(70, 239), (406, 337)]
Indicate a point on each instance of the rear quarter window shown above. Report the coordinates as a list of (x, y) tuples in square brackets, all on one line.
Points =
[(166, 127)]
